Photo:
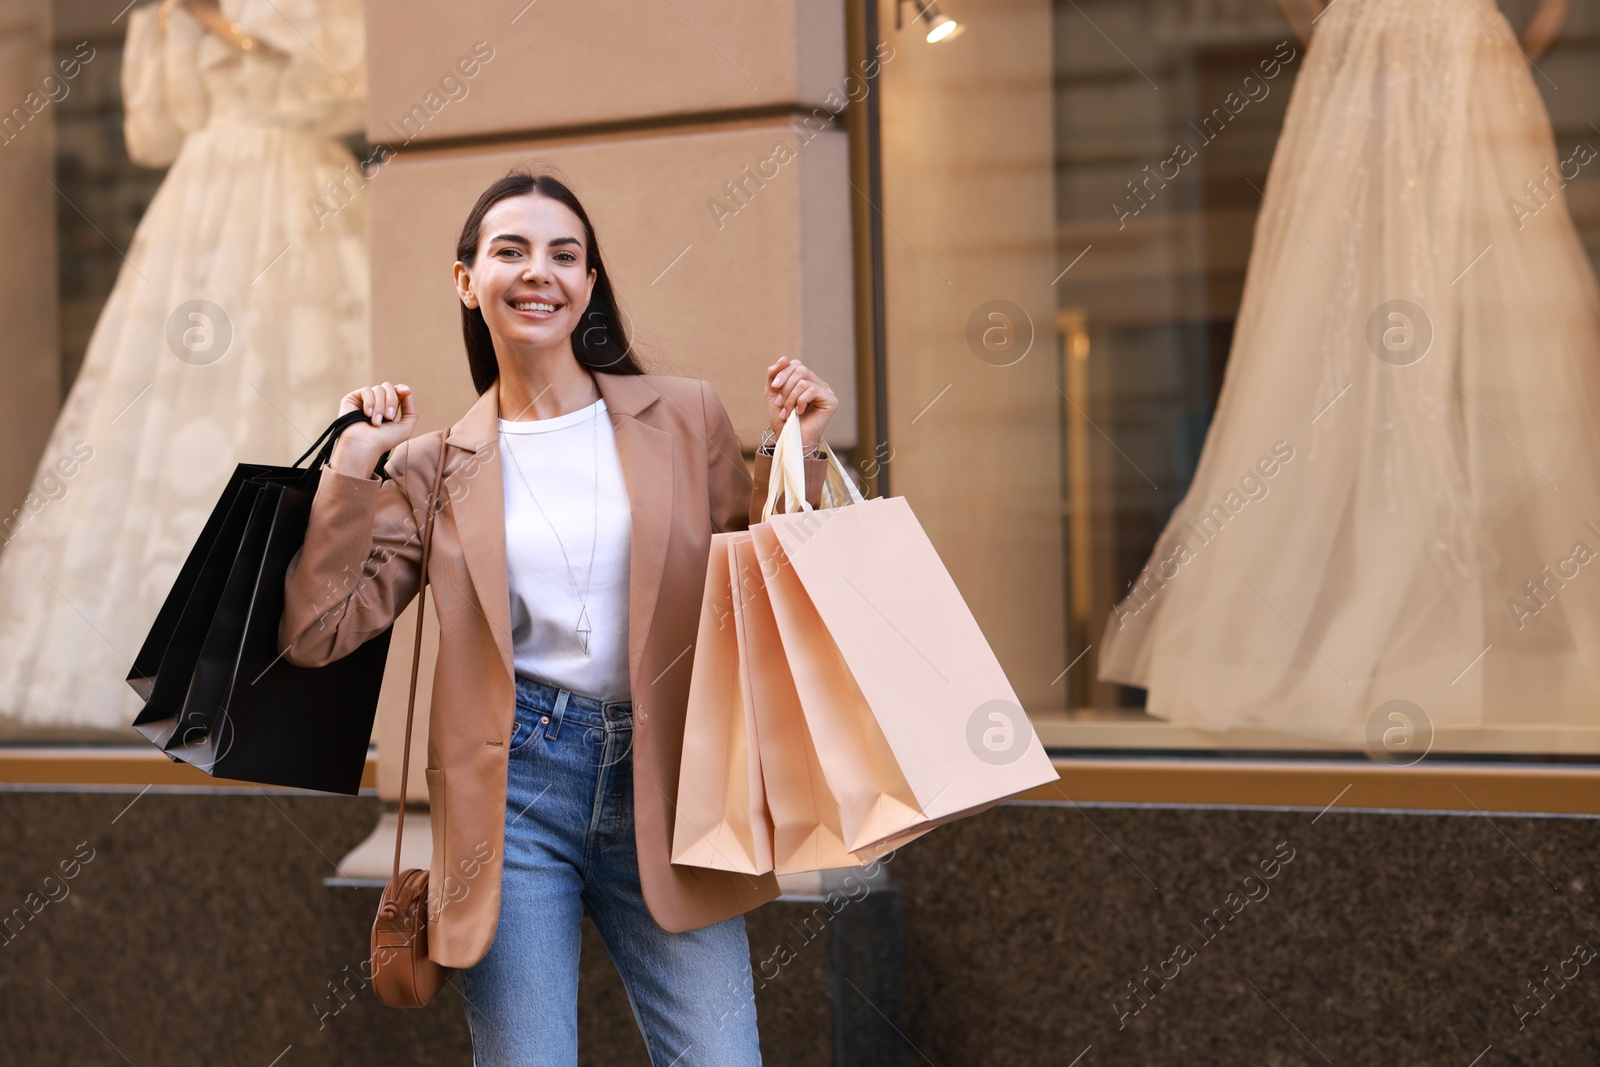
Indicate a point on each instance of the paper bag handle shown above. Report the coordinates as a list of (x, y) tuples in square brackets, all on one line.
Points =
[(789, 472)]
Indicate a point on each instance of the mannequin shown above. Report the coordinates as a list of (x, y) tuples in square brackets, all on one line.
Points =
[(211, 17)]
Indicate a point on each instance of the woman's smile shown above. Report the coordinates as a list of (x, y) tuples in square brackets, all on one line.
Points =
[(539, 309)]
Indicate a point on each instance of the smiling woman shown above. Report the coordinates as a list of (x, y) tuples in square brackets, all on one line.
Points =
[(568, 583)]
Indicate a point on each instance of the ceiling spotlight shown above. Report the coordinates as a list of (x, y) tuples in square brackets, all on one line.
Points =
[(940, 27)]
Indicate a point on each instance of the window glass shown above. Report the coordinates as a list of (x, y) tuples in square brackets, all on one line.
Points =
[(1248, 385)]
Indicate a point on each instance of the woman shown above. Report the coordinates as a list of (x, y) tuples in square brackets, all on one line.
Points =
[(568, 583)]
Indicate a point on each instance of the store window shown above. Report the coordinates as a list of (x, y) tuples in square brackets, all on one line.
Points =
[(1248, 386)]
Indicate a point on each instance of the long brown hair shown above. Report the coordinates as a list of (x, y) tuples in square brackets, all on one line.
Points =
[(601, 340)]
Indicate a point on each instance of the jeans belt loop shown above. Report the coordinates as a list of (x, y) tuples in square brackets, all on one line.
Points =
[(556, 715)]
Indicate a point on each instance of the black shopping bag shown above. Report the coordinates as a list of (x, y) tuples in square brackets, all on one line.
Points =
[(217, 692)]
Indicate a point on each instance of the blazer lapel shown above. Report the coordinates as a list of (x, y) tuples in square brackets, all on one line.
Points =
[(476, 492), (646, 455)]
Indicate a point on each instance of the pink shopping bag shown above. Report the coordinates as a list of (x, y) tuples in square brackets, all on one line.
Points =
[(722, 818), (913, 721), (805, 814)]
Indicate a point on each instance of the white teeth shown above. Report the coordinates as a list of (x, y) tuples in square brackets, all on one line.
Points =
[(534, 306)]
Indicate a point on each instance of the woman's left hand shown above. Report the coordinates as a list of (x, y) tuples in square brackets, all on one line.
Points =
[(793, 386)]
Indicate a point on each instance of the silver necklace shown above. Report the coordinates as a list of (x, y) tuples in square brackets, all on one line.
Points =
[(583, 629)]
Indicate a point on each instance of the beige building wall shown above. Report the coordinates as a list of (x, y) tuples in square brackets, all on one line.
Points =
[(724, 215), (595, 65), (28, 296)]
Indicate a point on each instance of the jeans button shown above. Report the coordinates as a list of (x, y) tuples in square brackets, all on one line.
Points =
[(613, 713), (544, 718)]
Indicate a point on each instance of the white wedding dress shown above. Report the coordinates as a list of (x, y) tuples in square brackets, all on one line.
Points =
[(250, 140), (1430, 527)]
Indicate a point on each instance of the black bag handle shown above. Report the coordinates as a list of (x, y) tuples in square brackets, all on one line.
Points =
[(335, 428)]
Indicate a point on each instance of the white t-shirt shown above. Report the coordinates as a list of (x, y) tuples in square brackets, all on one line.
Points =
[(557, 458)]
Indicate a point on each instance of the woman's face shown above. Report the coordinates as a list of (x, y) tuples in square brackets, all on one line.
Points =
[(529, 277)]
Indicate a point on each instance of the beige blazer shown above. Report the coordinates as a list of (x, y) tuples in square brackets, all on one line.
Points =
[(360, 567)]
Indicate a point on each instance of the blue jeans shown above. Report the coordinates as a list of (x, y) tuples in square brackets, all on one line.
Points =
[(569, 848)]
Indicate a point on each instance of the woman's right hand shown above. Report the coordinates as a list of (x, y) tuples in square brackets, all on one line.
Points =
[(391, 416)]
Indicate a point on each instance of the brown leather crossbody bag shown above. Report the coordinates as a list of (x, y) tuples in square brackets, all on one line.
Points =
[(402, 974)]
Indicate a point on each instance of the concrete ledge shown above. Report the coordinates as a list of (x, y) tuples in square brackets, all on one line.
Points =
[(1467, 787), (1474, 788), (126, 765)]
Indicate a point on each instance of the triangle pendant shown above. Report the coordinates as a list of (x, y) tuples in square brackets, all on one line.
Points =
[(584, 629)]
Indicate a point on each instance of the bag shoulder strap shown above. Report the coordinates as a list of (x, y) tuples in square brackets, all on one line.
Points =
[(416, 651)]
